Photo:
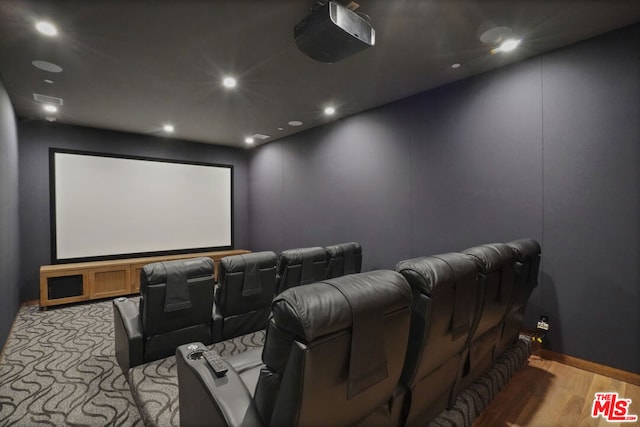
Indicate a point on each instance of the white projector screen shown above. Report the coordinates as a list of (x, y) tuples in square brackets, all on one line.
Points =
[(106, 207)]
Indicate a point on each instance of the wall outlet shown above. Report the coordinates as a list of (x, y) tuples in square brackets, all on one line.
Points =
[(543, 323)]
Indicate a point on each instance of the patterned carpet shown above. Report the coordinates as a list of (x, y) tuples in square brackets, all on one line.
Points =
[(155, 384), (473, 400), (59, 368)]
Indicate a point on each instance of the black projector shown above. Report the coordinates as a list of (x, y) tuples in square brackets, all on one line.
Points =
[(332, 32)]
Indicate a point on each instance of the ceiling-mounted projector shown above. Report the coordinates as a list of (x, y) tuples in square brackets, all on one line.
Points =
[(332, 32)]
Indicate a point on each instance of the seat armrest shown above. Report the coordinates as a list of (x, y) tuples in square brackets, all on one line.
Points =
[(205, 399), (129, 339)]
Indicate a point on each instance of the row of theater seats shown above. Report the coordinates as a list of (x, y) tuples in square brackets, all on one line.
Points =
[(377, 348), (180, 301)]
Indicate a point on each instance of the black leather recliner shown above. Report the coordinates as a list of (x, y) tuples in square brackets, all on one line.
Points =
[(527, 253), (496, 262), (446, 291), (333, 355), (300, 267), (344, 258), (175, 307), (246, 286)]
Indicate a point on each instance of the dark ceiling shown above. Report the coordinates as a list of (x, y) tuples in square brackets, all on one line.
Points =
[(135, 65)]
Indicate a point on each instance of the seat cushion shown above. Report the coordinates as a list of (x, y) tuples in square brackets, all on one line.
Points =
[(247, 360)]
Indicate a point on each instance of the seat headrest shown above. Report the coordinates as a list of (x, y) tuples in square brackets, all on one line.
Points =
[(492, 256), (157, 272), (319, 309), (237, 263), (524, 248), (300, 267), (453, 270), (339, 249), (297, 256), (343, 258), (426, 273)]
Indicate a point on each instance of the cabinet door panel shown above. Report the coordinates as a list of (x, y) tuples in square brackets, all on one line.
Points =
[(109, 282)]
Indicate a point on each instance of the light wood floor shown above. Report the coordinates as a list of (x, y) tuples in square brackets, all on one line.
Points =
[(545, 393)]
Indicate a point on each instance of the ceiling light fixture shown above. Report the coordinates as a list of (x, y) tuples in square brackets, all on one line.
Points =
[(249, 140), (47, 66), (48, 81), (168, 128), (507, 45), (229, 82), (329, 111), (495, 35), (47, 28), (295, 123), (456, 65), (50, 108)]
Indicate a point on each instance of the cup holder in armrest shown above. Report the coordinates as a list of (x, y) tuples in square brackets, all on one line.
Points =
[(195, 352)]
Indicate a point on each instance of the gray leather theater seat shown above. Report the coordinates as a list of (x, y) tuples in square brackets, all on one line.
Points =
[(446, 291), (527, 253), (176, 303), (333, 355), (497, 264), (344, 258), (246, 286), (300, 267)]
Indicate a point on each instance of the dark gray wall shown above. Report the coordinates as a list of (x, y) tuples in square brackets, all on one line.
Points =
[(37, 137), (420, 176), (591, 204), (548, 148), (9, 219)]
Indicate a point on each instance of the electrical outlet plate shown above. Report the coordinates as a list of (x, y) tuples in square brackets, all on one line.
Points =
[(543, 323)]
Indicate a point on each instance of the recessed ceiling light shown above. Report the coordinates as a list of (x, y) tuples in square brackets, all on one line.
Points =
[(229, 82), (249, 140), (46, 28), (495, 35), (48, 81), (456, 65), (50, 108), (280, 128), (295, 123), (168, 128), (507, 46), (46, 99), (329, 111), (47, 66)]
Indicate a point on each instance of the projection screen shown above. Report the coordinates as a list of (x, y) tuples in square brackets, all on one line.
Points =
[(106, 207)]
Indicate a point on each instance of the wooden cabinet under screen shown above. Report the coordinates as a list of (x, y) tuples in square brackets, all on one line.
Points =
[(68, 283), (109, 282), (63, 285)]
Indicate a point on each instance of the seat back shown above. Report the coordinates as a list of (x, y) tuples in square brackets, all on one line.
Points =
[(334, 350), (497, 264), (246, 287), (446, 289), (300, 267), (344, 258), (527, 253), (176, 301)]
